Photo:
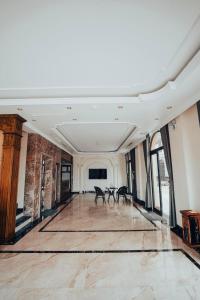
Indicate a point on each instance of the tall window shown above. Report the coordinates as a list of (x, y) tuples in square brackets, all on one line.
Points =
[(160, 177)]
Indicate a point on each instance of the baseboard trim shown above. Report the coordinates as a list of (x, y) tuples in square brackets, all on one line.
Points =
[(140, 202), (178, 230)]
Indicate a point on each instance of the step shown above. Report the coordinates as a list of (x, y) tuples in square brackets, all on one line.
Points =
[(19, 216), (21, 232), (22, 222), (19, 211)]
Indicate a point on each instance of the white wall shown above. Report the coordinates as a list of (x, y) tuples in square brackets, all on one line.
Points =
[(115, 165), (185, 151), (22, 170), (141, 176)]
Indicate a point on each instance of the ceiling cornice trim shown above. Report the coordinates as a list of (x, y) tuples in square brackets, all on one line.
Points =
[(60, 95), (69, 143)]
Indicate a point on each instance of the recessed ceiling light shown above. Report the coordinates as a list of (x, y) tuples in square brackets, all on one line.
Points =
[(74, 119), (20, 108), (120, 107), (68, 107), (169, 107)]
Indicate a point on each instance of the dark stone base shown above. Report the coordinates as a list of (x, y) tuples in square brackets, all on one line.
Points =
[(178, 230), (140, 202)]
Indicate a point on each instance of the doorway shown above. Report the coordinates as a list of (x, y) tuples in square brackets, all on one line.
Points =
[(66, 180), (160, 177), (46, 184)]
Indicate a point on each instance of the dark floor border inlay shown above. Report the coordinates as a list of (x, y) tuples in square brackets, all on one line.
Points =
[(89, 251), (98, 230), (115, 230), (99, 252), (32, 225), (152, 222), (53, 217)]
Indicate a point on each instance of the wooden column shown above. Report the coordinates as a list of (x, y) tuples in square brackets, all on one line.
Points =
[(11, 125)]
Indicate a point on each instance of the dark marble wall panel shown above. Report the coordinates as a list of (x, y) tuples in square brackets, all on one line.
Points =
[(39, 148)]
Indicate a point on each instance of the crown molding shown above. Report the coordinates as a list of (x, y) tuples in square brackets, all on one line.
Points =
[(77, 151), (63, 95)]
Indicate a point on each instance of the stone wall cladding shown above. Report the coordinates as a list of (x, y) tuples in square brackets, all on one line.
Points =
[(39, 147)]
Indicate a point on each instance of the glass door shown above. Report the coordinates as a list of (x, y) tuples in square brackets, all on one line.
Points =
[(160, 177), (164, 184), (156, 183)]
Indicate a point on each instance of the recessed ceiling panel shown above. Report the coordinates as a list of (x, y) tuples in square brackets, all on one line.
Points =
[(96, 137)]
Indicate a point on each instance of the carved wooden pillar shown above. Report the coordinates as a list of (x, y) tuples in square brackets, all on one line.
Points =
[(11, 125)]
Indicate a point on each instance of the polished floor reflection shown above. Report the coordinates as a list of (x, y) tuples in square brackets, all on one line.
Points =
[(103, 251)]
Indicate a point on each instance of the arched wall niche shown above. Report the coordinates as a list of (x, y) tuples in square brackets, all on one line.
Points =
[(87, 184), (115, 165)]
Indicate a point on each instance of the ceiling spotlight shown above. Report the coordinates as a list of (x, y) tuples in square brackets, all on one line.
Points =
[(68, 107), (169, 107), (19, 108), (120, 107)]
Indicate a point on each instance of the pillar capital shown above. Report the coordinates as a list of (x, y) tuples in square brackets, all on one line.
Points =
[(11, 124)]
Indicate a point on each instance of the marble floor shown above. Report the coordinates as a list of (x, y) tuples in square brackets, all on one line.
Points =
[(103, 251)]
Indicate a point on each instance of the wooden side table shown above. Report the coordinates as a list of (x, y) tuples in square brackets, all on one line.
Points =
[(191, 227)]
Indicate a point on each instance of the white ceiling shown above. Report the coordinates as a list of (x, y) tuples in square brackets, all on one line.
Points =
[(85, 136), (95, 56)]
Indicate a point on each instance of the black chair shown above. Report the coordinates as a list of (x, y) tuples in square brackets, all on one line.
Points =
[(122, 192), (99, 193)]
